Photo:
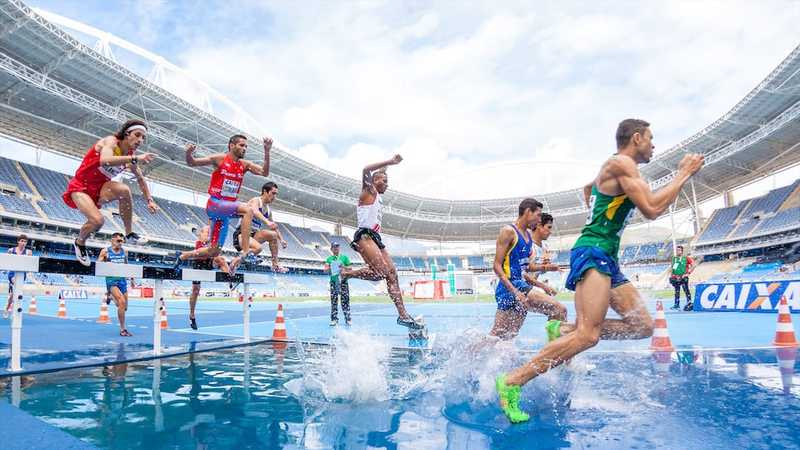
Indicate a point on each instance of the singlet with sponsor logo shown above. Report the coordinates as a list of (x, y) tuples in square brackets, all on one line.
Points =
[(608, 216), (119, 257), (369, 216), (226, 180), (92, 172)]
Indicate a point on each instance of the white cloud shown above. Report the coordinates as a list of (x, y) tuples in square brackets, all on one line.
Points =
[(460, 87)]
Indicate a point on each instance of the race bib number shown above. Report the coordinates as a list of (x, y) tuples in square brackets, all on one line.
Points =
[(230, 188)]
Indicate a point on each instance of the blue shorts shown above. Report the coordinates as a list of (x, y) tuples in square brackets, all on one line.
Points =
[(122, 285), (505, 299), (219, 212), (11, 276), (582, 259)]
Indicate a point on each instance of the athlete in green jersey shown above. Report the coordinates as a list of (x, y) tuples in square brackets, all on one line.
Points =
[(594, 272)]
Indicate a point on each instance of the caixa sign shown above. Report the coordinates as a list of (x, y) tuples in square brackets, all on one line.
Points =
[(760, 296)]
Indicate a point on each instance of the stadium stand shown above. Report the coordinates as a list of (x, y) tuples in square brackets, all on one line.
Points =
[(11, 177), (18, 205)]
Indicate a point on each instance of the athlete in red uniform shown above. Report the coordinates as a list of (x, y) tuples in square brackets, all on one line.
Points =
[(223, 191), (92, 185), (217, 262)]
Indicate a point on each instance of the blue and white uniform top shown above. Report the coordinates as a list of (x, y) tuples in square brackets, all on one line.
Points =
[(515, 263), (120, 257), (538, 253), (256, 224)]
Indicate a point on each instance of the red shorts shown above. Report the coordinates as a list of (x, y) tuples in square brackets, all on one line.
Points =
[(76, 185)]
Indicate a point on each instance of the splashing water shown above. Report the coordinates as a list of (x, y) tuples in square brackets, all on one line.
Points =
[(353, 368)]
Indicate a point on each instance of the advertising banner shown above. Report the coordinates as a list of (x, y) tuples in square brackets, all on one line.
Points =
[(755, 296)]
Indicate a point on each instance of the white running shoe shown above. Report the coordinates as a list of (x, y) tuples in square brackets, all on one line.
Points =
[(82, 253), (133, 238)]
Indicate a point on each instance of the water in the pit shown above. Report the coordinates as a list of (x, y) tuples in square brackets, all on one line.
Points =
[(359, 392)]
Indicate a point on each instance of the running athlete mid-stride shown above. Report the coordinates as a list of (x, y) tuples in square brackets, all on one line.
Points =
[(367, 239), (263, 228), (613, 196), (223, 191), (514, 293), (93, 183)]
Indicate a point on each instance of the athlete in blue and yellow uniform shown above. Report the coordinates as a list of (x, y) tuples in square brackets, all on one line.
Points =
[(594, 271), (117, 287), (513, 292)]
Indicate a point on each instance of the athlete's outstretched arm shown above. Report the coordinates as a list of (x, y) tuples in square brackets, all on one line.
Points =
[(262, 170), (210, 160), (151, 204), (107, 157), (366, 174), (653, 204)]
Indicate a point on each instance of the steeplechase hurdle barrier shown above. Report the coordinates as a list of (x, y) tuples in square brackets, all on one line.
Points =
[(37, 264)]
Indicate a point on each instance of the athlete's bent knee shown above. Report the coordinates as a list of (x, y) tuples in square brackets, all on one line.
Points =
[(96, 221), (587, 338)]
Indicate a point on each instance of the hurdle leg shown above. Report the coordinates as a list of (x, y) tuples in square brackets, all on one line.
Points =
[(157, 305), (246, 312), (16, 324), (158, 419)]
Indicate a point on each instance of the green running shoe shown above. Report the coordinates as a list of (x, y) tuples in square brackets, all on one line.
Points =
[(553, 328), (509, 400)]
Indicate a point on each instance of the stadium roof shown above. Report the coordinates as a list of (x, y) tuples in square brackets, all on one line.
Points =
[(60, 95)]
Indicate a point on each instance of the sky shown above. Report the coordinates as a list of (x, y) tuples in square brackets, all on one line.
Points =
[(523, 95), (482, 99)]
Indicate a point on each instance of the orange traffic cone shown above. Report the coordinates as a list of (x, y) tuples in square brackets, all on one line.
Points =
[(784, 333), (661, 341), (786, 359), (62, 308), (32, 308), (279, 333), (103, 312), (164, 323)]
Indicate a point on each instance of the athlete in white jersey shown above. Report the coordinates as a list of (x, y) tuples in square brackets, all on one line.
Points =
[(367, 239)]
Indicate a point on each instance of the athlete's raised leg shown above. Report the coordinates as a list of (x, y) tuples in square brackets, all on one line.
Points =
[(114, 190), (381, 265), (94, 220)]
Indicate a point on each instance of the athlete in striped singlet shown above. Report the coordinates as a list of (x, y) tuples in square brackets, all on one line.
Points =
[(514, 293), (594, 275)]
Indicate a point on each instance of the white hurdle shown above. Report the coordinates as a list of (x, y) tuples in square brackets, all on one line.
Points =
[(22, 264)]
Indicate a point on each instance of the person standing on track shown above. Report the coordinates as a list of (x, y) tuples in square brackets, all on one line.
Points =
[(20, 249), (117, 287), (367, 239), (93, 184), (612, 197), (682, 267), (339, 288), (263, 228), (223, 191), (209, 263)]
